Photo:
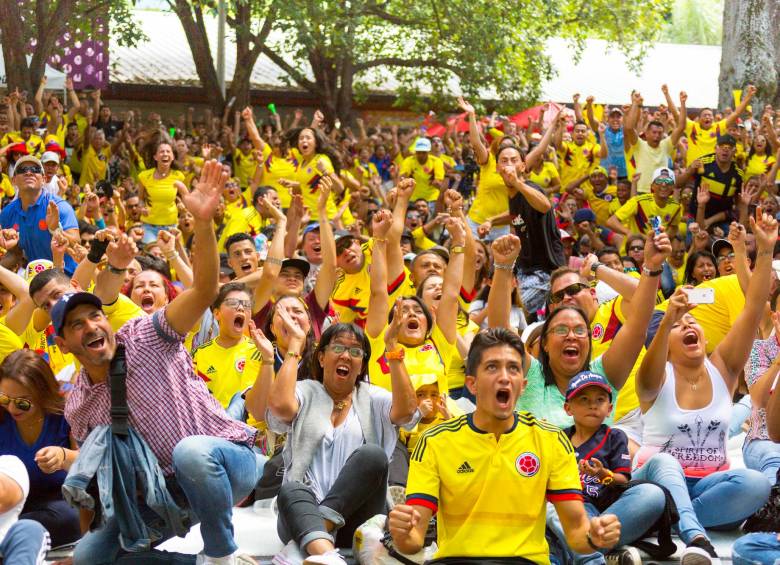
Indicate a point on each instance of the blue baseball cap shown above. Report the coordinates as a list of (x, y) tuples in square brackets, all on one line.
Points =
[(314, 226), (68, 302), (585, 379), (584, 215)]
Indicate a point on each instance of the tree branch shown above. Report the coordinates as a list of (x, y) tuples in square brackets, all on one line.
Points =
[(375, 10), (409, 63), (296, 75)]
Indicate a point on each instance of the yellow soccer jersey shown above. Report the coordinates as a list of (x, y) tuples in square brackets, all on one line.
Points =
[(410, 437), (308, 174), (636, 213), (9, 342), (275, 168), (42, 342), (424, 176), (759, 165), (94, 165), (244, 167), (6, 187), (545, 177), (492, 198), (247, 220), (702, 141), (493, 491), (456, 374), (600, 203), (227, 370), (716, 319), (576, 161)]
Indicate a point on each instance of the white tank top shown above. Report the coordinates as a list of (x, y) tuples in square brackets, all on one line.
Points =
[(696, 438)]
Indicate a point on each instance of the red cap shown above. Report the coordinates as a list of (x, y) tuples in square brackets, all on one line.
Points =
[(20, 148)]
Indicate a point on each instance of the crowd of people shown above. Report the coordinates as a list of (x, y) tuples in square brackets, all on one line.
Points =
[(525, 344)]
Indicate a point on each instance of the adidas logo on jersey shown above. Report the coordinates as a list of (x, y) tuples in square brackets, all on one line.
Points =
[(465, 468), (211, 370)]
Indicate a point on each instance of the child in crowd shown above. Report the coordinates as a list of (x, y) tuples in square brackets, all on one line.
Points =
[(433, 407)]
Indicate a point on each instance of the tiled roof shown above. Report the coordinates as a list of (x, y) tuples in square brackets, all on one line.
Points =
[(166, 60)]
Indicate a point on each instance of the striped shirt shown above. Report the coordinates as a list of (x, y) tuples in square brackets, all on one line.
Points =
[(167, 401)]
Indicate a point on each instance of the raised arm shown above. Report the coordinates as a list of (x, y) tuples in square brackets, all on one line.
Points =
[(251, 129), (515, 183), (187, 308), (732, 353), (395, 258), (378, 306), (682, 120), (404, 403), (281, 397), (257, 396), (480, 151), (120, 252), (731, 119), (326, 277), (537, 153), (621, 356), (38, 99), (630, 135), (273, 260), (294, 220), (670, 104), (499, 304), (18, 318), (447, 312)]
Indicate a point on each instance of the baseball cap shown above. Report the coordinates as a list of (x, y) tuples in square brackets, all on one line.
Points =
[(719, 244), (55, 147), (50, 157), (300, 264), (599, 169), (726, 139), (27, 159), (314, 226), (68, 302), (528, 330), (422, 144), (35, 267), (615, 110), (20, 148), (583, 380), (410, 256), (565, 235), (584, 215), (662, 172)]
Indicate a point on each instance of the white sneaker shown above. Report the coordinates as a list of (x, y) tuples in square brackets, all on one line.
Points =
[(330, 558), (232, 559), (290, 555)]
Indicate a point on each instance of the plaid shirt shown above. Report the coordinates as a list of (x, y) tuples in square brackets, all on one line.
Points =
[(167, 401)]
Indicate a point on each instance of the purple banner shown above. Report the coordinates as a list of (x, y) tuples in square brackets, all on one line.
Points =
[(86, 62)]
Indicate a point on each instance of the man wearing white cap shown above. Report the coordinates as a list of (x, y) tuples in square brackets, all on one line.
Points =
[(426, 170), (635, 216), (51, 168)]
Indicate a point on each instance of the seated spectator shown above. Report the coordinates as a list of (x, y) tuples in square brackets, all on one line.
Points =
[(22, 542)]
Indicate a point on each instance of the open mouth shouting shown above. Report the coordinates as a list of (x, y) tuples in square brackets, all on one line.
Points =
[(571, 352), (691, 339), (503, 398), (343, 370), (246, 267), (147, 303), (239, 322)]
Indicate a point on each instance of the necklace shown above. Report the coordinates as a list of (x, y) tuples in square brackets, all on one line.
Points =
[(339, 405), (693, 383)]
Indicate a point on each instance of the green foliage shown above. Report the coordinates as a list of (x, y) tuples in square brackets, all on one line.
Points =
[(491, 49), (698, 22)]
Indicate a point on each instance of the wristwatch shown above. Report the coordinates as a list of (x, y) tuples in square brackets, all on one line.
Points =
[(595, 266), (649, 273)]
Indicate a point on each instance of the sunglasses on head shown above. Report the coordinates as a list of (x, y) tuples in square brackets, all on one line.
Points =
[(21, 403), (571, 290), (663, 180), (34, 169)]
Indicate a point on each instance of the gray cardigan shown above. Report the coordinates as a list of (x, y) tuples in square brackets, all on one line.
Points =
[(307, 430)]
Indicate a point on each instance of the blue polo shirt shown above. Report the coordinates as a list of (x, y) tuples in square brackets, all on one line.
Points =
[(34, 236)]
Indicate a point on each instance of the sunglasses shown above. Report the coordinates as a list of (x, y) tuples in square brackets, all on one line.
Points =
[(563, 331), (636, 248), (663, 180), (237, 302), (21, 403), (354, 352), (34, 169), (571, 290)]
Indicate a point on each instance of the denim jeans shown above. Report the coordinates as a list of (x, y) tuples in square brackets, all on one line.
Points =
[(214, 475), (358, 493), (739, 413), (764, 456), (494, 233), (637, 509), (720, 499), (26, 543), (59, 518), (756, 549), (151, 231)]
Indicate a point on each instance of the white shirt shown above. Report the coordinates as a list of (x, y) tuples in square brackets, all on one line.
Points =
[(12, 467)]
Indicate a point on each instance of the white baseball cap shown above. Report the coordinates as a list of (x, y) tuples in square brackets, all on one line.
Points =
[(50, 157), (422, 144), (661, 172)]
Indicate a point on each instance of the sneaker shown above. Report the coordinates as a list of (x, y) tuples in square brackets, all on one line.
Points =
[(624, 556), (330, 558), (232, 559), (766, 518), (699, 552), (291, 554)]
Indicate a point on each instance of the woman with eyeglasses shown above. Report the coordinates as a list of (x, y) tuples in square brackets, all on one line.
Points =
[(565, 344), (686, 401), (33, 428), (341, 431)]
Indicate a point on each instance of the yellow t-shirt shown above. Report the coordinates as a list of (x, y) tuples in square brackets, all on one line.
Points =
[(456, 375), (492, 198), (493, 491), (275, 168), (702, 141), (545, 177), (244, 167), (424, 176), (600, 203), (576, 161), (716, 319), (636, 213), (6, 187), (247, 220), (161, 194), (759, 165), (9, 342), (309, 175), (410, 437), (94, 165), (227, 370)]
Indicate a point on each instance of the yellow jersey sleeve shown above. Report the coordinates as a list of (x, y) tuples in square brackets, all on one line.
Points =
[(627, 210), (9, 342), (122, 311), (438, 169), (423, 485), (564, 480)]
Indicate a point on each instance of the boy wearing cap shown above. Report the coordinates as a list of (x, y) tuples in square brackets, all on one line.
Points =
[(426, 170)]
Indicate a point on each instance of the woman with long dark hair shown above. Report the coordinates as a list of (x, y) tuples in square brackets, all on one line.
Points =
[(700, 266), (33, 428), (159, 187)]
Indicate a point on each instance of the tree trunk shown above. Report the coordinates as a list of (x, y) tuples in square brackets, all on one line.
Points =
[(246, 56), (17, 72), (774, 19), (747, 55)]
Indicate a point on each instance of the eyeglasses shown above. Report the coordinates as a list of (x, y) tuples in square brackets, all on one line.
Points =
[(570, 290), (21, 403), (34, 169), (354, 352), (563, 331), (636, 248), (729, 256), (237, 302)]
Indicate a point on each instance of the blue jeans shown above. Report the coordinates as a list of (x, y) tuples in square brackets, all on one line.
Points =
[(637, 509), (720, 499), (26, 543), (494, 233), (214, 474), (151, 231), (739, 413), (764, 456), (756, 549)]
